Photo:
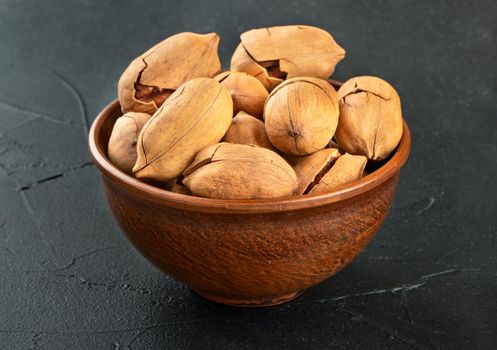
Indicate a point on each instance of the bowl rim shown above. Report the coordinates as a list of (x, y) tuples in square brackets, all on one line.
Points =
[(161, 196)]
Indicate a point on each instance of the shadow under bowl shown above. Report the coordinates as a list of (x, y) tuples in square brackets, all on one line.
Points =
[(246, 252)]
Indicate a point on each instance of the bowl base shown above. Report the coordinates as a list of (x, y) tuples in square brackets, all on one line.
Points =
[(247, 302)]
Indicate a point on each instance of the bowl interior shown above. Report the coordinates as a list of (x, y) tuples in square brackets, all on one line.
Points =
[(100, 133)]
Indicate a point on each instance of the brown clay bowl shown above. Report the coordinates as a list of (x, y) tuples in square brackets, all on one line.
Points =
[(246, 252)]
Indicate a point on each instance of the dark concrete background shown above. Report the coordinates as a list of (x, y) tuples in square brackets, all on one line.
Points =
[(70, 280)]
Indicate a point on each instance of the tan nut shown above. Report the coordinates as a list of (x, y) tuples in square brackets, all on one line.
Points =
[(277, 53), (301, 115), (232, 171), (122, 142), (370, 117), (311, 168), (247, 130), (346, 169), (153, 76), (196, 115), (247, 92)]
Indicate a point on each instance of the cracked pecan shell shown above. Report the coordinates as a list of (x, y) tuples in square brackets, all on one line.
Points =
[(153, 76), (347, 168), (370, 117), (310, 169), (277, 53)]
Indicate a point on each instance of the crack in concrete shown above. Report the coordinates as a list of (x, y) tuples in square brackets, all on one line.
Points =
[(423, 280), (37, 344), (405, 305), (114, 285), (135, 337), (96, 331), (74, 260), (440, 273), (428, 199), (358, 317), (103, 331), (381, 291), (32, 185), (35, 115), (431, 201), (78, 97), (32, 215), (404, 289)]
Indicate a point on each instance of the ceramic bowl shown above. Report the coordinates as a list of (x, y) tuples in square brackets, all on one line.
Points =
[(246, 252)]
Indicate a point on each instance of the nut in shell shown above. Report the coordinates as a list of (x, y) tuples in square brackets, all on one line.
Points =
[(311, 168), (370, 117), (231, 171), (301, 115), (153, 76), (122, 142), (247, 130), (277, 53), (196, 115), (247, 92), (347, 168)]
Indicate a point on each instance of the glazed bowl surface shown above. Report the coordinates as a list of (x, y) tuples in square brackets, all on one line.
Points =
[(246, 252)]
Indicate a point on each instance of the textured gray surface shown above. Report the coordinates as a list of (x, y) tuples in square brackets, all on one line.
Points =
[(70, 280)]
